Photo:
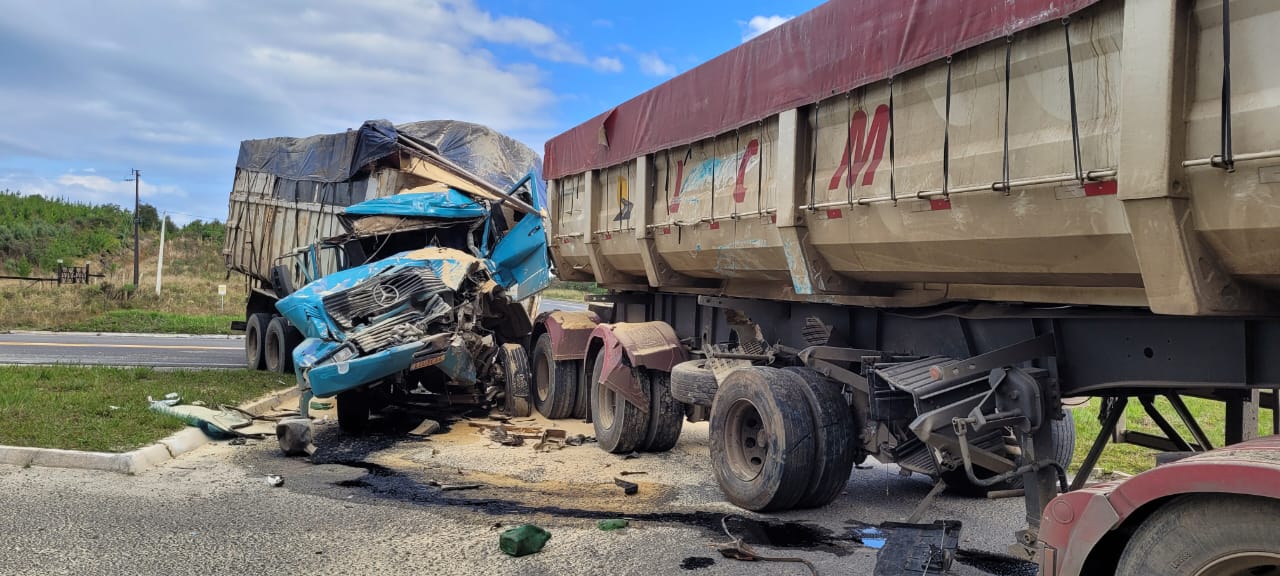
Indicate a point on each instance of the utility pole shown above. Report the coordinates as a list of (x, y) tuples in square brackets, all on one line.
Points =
[(137, 182), (164, 220)]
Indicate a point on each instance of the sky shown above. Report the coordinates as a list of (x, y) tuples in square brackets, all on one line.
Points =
[(90, 90)]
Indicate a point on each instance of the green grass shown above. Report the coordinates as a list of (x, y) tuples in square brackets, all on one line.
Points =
[(1133, 459), (71, 407), (154, 322), (571, 291)]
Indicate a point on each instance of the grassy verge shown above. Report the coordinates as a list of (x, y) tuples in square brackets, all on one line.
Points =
[(1133, 459), (154, 322), (571, 291), (105, 409)]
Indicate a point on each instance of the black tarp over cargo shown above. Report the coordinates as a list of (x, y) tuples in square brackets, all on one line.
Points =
[(494, 157)]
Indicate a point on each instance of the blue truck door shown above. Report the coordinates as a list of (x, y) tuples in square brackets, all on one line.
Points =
[(521, 261)]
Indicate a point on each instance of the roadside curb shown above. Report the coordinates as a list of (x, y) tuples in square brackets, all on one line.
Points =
[(129, 334), (136, 461)]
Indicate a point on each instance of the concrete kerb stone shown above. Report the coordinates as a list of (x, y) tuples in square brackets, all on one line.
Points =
[(136, 461)]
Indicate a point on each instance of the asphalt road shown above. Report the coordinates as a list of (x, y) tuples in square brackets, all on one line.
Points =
[(144, 350), (377, 505)]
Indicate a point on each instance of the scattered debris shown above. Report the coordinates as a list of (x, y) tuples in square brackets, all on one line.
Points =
[(612, 524), (275, 480), (218, 424), (739, 550), (111, 407), (631, 456), (426, 428), (294, 436), (631, 473), (918, 548), (523, 540), (320, 404), (697, 563), (551, 439), (237, 442), (998, 494), (453, 487), (628, 488), (501, 436), (578, 440)]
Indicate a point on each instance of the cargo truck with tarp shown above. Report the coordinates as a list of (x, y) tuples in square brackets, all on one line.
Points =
[(391, 264), (906, 230)]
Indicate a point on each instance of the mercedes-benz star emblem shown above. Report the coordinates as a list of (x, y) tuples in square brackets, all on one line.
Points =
[(386, 295)]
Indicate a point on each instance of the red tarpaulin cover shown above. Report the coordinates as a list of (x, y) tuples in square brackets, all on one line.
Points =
[(831, 49)]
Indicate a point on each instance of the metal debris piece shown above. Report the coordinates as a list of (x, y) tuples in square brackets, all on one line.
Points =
[(628, 488), (631, 456), (426, 428), (918, 549), (578, 440), (738, 550), (454, 487), (275, 480), (501, 436), (629, 472), (237, 441)]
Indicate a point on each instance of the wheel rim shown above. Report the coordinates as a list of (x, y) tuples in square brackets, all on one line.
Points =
[(1244, 564), (542, 377), (273, 353), (251, 344), (605, 401), (745, 442)]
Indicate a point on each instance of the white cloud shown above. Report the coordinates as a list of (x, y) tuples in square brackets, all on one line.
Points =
[(97, 189), (654, 65), (758, 25), (172, 87), (607, 64)]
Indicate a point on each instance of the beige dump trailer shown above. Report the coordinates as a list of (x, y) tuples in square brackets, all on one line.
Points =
[(907, 229)]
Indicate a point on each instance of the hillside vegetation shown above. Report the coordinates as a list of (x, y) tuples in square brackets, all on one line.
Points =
[(36, 232)]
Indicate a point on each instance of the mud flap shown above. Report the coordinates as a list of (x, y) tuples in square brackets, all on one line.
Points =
[(920, 549)]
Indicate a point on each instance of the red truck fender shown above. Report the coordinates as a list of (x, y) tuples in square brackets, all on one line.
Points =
[(1074, 523), (569, 332), (628, 345)]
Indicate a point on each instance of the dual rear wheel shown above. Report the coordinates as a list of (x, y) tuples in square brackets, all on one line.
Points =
[(621, 427)]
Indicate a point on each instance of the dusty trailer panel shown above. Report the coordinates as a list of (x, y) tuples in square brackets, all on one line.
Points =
[(930, 222), (1011, 158)]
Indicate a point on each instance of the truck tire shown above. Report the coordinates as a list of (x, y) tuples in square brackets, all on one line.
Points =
[(693, 383), (555, 383), (353, 410), (666, 415), (1206, 535), (619, 425), (834, 437), (762, 445), (1064, 447), (513, 364), (582, 404), (255, 340), (277, 354)]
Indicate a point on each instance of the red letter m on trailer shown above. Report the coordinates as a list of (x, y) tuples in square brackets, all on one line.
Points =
[(864, 148)]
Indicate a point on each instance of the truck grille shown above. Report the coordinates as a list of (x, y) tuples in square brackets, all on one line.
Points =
[(381, 294), (389, 331)]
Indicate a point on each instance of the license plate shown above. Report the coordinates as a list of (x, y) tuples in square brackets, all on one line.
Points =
[(427, 362)]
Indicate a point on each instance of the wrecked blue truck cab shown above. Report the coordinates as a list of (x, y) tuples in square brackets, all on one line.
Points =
[(442, 324)]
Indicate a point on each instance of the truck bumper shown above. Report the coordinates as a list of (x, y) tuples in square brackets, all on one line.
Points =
[(332, 377)]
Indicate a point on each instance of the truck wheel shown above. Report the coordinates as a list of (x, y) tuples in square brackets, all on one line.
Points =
[(1206, 535), (582, 404), (513, 364), (666, 416), (619, 425), (555, 383), (762, 445), (353, 410), (277, 354), (255, 339), (1064, 447), (834, 437), (693, 383)]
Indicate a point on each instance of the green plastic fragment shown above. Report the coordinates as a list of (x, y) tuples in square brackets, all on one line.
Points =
[(321, 404), (612, 524), (523, 540)]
